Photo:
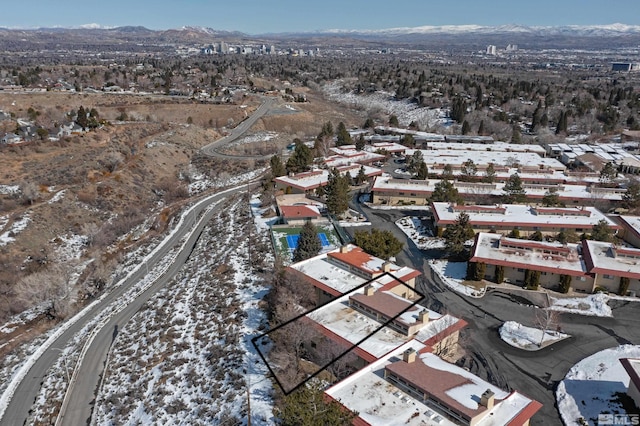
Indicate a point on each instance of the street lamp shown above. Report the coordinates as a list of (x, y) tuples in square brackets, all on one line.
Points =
[(66, 367)]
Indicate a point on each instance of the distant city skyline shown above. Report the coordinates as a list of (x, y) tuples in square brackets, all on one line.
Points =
[(278, 16)]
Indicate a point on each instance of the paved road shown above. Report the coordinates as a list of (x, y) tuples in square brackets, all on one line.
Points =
[(213, 148), (535, 374), (82, 393)]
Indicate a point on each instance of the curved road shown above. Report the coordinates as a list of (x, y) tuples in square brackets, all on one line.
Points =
[(239, 130), (85, 380)]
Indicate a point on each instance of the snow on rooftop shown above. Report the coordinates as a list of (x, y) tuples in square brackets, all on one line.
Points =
[(492, 147), (565, 191), (321, 270), (353, 326), (380, 402), (523, 215), (607, 258), (455, 157), (633, 222), (590, 386), (501, 250)]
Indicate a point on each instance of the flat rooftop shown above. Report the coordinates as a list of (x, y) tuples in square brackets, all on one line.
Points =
[(549, 257), (522, 215), (380, 402)]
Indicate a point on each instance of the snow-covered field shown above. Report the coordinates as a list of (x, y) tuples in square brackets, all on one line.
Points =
[(593, 304), (528, 338), (407, 112), (186, 357), (202, 183), (591, 387)]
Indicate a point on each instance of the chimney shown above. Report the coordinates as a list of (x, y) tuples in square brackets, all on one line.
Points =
[(344, 249), (423, 316), (369, 290), (386, 267), (409, 356), (487, 399)]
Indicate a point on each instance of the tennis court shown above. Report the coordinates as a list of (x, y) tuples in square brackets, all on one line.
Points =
[(292, 240)]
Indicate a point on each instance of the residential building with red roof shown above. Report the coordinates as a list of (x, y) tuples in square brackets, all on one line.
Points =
[(527, 219), (413, 386), (392, 191), (339, 271), (590, 264)]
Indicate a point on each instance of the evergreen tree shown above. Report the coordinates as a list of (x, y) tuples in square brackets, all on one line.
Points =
[(309, 244), (458, 109), (608, 173), (81, 118), (466, 128), (368, 124), (489, 174), (337, 193), (408, 140), (631, 197), (414, 161), (536, 236), (423, 171), (300, 159), (551, 198), (277, 168), (360, 142), (602, 231), (514, 191), (393, 120), (515, 134), (307, 406), (378, 243), (361, 177), (481, 129), (447, 171), (561, 127), (343, 137), (469, 169), (444, 191), (457, 234), (567, 236)]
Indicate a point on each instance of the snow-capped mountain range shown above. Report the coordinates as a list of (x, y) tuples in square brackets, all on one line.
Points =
[(576, 30)]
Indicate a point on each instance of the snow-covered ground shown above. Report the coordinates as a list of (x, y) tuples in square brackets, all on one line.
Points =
[(202, 183), (528, 338), (452, 274), (18, 226), (593, 304), (186, 357), (407, 112), (420, 234), (591, 387)]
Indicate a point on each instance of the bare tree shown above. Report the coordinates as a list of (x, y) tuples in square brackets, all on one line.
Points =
[(546, 319), (52, 286), (30, 192)]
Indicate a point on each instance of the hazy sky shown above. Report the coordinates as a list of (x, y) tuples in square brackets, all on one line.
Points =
[(264, 16)]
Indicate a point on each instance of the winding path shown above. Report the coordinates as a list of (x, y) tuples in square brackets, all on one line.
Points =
[(78, 402)]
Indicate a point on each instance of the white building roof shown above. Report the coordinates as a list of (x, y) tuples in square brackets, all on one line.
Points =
[(380, 402), (522, 215), (454, 157), (550, 257), (497, 146), (580, 192)]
